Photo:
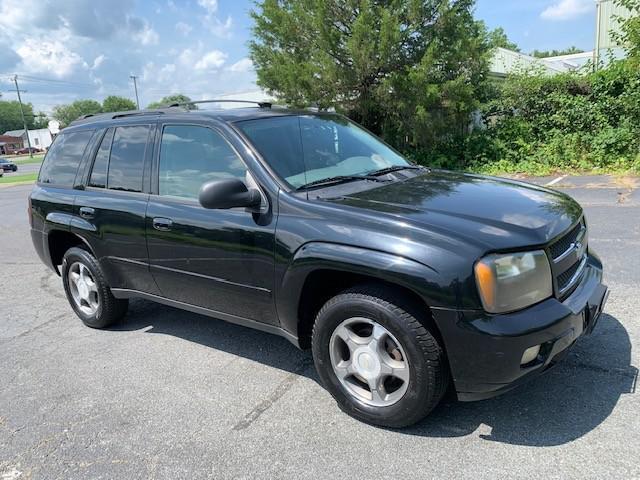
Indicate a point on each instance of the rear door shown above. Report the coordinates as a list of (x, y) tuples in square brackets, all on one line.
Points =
[(221, 260), (110, 211)]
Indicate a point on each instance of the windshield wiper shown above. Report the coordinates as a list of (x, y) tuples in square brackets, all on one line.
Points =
[(339, 179), (395, 168)]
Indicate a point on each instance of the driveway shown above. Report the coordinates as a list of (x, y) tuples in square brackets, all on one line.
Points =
[(170, 394)]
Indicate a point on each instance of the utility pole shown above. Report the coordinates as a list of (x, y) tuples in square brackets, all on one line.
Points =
[(135, 87), (24, 122)]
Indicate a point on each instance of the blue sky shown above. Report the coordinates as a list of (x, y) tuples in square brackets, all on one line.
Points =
[(88, 48)]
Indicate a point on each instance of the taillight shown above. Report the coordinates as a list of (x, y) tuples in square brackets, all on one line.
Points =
[(30, 213)]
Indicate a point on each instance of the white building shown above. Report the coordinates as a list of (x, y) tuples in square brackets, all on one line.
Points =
[(40, 138)]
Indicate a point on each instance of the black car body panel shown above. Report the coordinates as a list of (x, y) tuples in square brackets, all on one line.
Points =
[(421, 230)]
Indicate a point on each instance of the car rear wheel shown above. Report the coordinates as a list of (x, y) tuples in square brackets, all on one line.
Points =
[(88, 292), (376, 357)]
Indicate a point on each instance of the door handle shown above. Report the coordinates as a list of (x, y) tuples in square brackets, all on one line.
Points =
[(87, 212), (162, 224)]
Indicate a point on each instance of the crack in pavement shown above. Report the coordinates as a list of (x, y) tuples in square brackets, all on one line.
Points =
[(272, 398), (34, 329)]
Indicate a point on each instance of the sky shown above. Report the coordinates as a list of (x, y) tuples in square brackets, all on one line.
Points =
[(63, 50)]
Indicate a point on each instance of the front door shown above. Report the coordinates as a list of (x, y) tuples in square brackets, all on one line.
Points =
[(221, 260)]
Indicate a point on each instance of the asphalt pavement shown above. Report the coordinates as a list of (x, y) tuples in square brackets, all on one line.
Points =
[(171, 394)]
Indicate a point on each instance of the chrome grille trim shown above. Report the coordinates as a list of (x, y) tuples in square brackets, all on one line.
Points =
[(572, 246), (576, 276)]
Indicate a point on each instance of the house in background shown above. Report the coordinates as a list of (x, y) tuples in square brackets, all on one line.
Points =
[(608, 15), (40, 138), (9, 144)]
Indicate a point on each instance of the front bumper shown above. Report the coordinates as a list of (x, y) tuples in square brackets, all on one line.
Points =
[(485, 350)]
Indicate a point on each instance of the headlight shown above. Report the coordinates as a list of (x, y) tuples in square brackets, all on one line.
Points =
[(512, 281)]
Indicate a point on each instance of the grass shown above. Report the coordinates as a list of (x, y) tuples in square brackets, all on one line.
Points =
[(26, 159), (26, 178)]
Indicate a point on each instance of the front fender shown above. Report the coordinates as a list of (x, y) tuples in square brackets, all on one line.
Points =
[(420, 278)]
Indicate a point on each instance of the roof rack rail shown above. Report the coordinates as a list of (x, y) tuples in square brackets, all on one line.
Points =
[(183, 104), (135, 113)]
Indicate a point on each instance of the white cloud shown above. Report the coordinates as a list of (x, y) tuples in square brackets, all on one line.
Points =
[(98, 61), (210, 6), (211, 60), (219, 28), (47, 56), (183, 28), (243, 65), (147, 36), (567, 9)]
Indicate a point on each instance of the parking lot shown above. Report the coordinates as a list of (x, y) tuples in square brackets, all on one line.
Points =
[(171, 394)]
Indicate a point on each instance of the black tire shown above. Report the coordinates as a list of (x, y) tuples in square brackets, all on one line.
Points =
[(110, 309), (428, 369)]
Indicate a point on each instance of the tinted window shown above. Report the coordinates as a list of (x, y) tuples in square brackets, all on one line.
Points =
[(303, 149), (191, 156), (61, 162), (126, 162), (101, 163)]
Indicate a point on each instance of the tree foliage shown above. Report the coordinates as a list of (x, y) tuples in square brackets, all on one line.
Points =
[(175, 98), (555, 53), (567, 122), (11, 119), (409, 70), (113, 103), (498, 38), (629, 35), (66, 114)]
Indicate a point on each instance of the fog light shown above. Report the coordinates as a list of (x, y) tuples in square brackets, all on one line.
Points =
[(530, 354)]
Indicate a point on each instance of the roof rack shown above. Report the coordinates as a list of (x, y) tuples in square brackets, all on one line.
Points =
[(129, 113), (183, 104)]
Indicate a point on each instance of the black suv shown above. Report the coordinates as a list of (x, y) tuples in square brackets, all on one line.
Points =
[(405, 281)]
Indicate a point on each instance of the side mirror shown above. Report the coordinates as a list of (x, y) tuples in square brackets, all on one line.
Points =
[(228, 193)]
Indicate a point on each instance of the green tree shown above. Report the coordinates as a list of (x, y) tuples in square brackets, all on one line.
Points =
[(175, 98), (498, 38), (629, 35), (410, 70), (66, 114), (10, 117), (555, 53), (113, 103), (40, 120)]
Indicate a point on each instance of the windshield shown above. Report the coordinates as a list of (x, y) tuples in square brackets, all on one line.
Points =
[(310, 148)]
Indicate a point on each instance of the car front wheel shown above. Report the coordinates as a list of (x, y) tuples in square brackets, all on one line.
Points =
[(376, 357)]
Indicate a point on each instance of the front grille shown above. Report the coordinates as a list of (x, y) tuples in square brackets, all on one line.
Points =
[(565, 242), (565, 277), (568, 259)]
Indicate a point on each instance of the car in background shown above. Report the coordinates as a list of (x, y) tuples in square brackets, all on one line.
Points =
[(7, 166), (28, 150)]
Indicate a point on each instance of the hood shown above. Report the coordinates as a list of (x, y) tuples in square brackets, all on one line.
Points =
[(493, 213)]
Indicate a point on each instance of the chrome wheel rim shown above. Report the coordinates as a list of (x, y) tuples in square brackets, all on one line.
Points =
[(84, 290), (369, 362)]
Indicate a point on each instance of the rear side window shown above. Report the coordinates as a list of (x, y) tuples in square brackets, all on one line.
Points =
[(126, 162), (62, 161), (101, 163), (191, 156)]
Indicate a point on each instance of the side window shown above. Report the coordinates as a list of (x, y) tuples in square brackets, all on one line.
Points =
[(61, 162), (101, 163), (191, 156), (126, 162)]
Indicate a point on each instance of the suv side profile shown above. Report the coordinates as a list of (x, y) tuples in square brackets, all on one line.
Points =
[(404, 281)]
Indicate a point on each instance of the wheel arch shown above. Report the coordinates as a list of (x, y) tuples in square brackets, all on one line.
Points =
[(319, 271), (59, 241)]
